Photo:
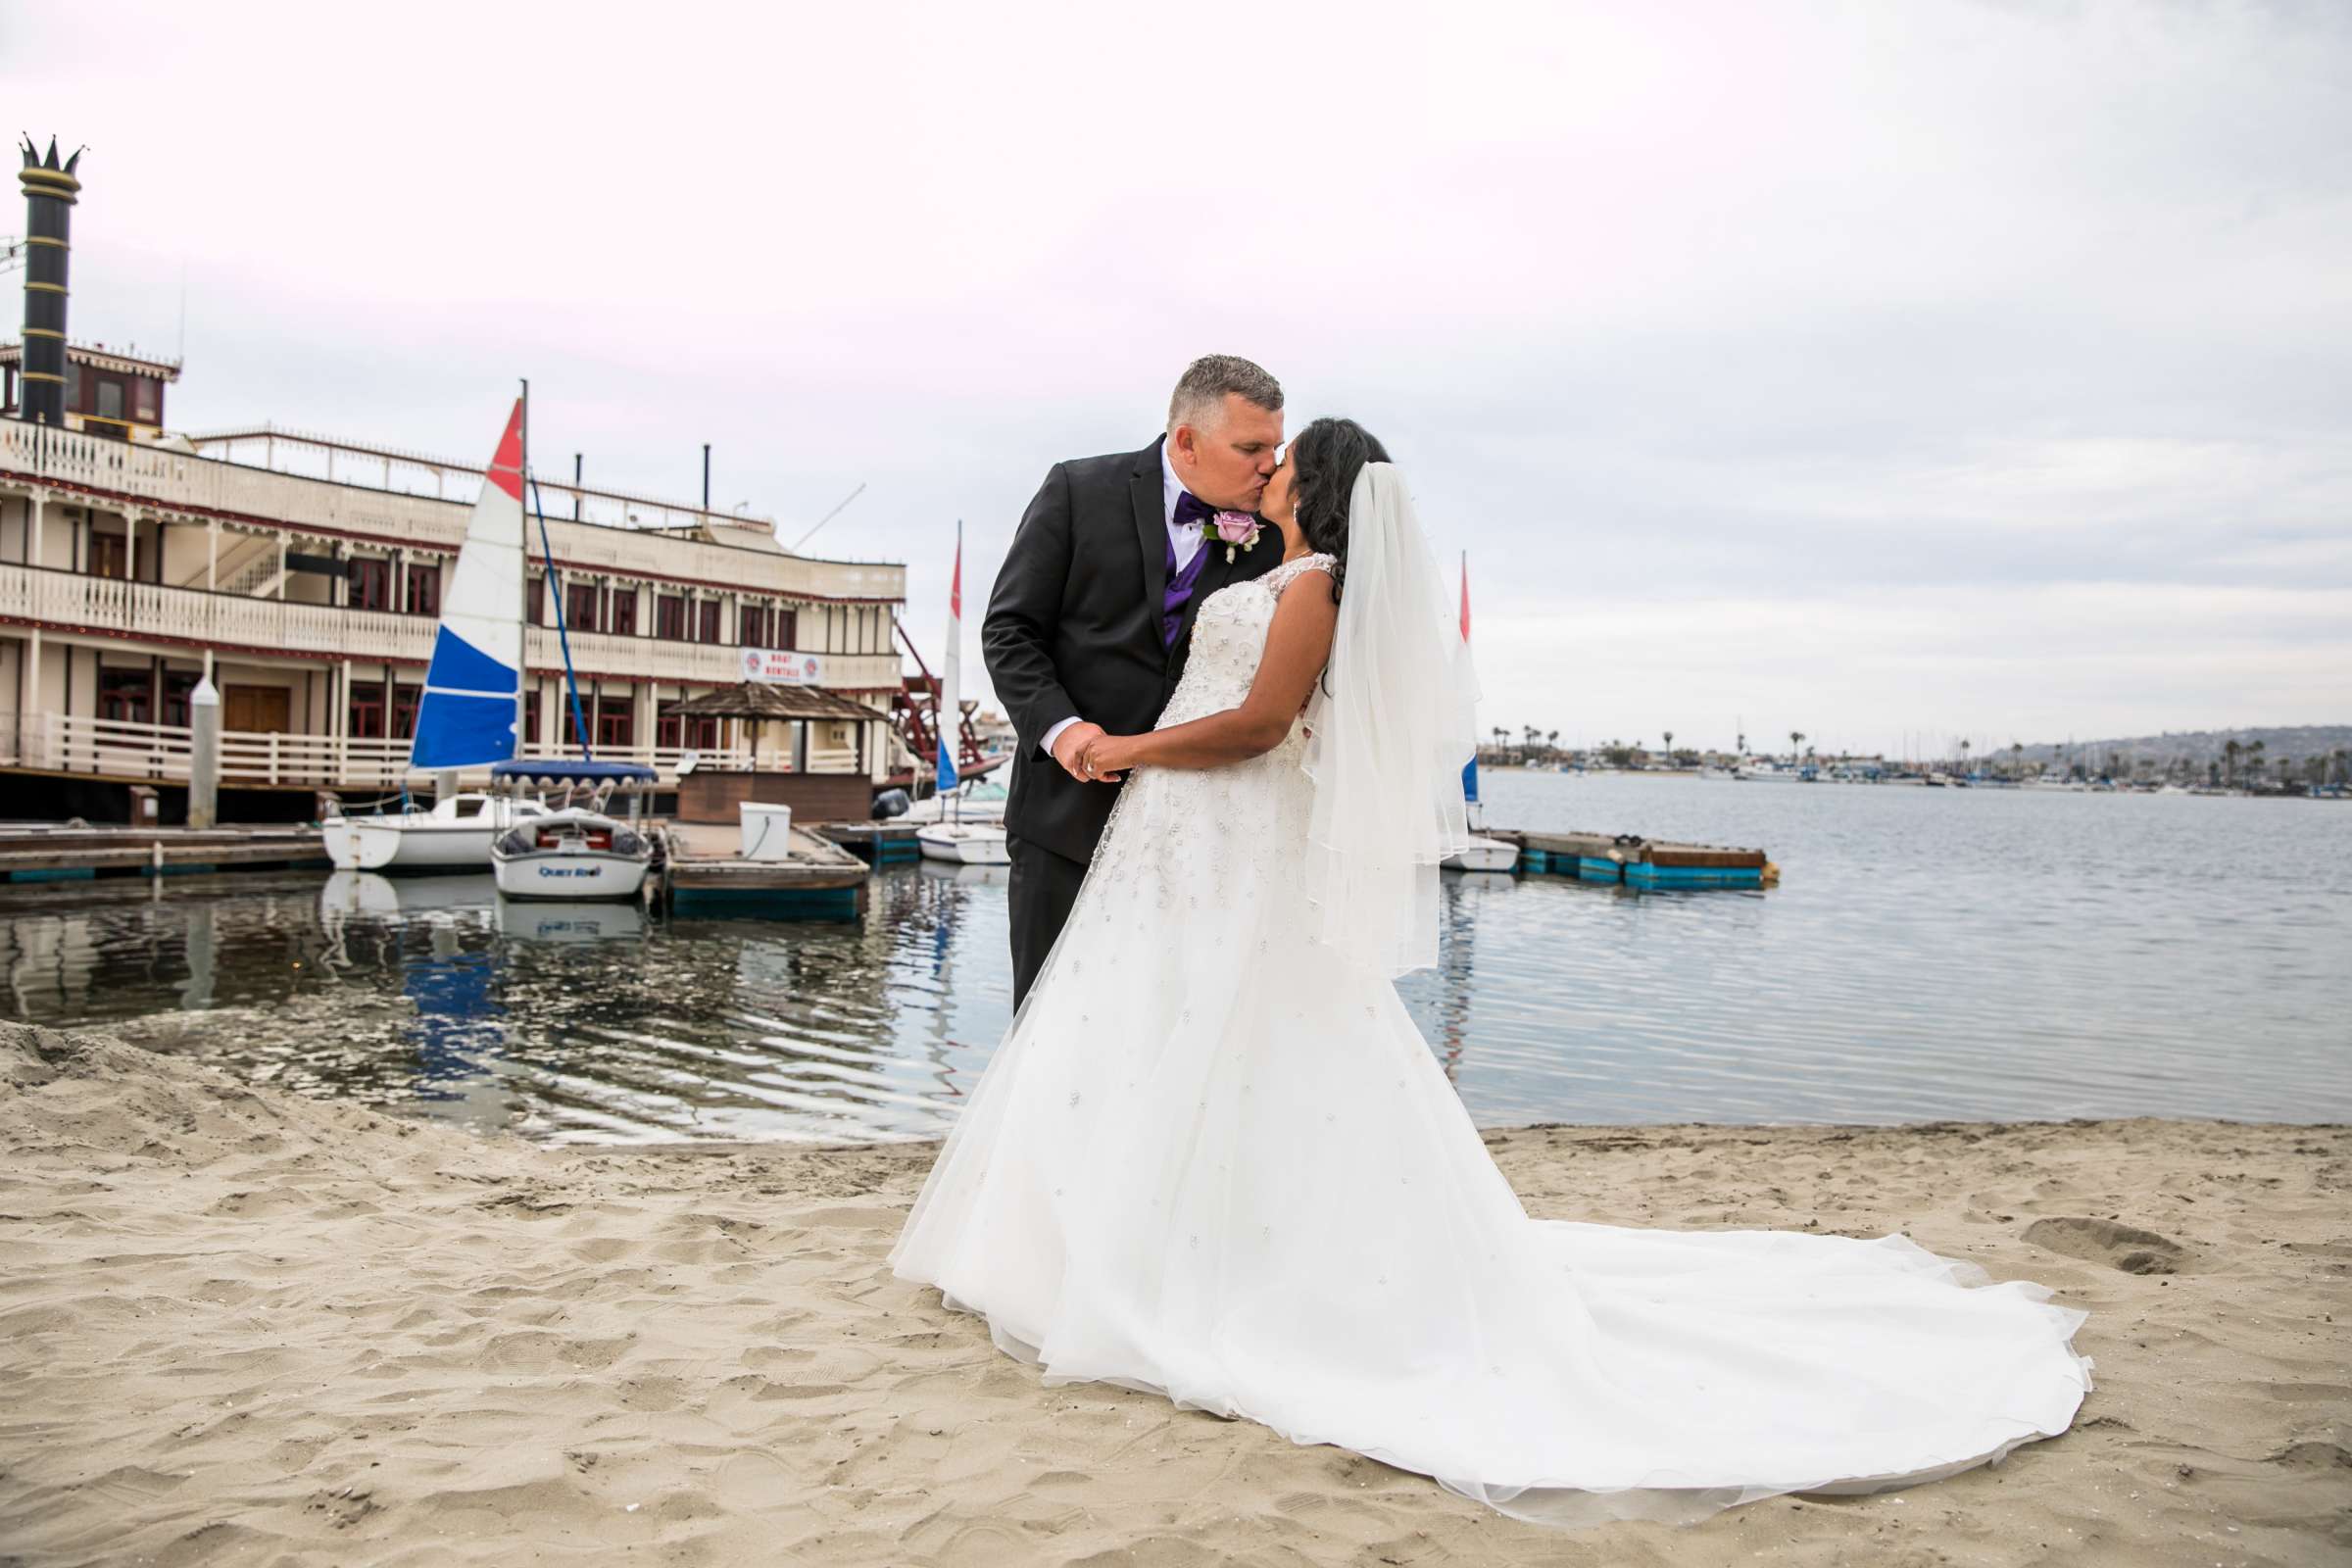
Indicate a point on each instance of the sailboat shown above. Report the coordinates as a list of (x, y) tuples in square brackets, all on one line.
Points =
[(473, 696), (1480, 854), (954, 840)]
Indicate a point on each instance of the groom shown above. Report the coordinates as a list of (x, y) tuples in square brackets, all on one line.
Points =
[(1092, 614)]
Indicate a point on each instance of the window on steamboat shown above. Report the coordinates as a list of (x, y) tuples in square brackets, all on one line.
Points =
[(370, 580)]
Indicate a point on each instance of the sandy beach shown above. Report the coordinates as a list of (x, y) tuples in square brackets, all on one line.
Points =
[(239, 1326)]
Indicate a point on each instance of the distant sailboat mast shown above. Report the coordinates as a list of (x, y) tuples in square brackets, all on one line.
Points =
[(522, 588)]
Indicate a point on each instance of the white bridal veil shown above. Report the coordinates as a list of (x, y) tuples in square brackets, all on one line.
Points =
[(1393, 724)]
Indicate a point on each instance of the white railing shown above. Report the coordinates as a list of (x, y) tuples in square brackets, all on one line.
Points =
[(168, 480), (120, 749), (70, 600)]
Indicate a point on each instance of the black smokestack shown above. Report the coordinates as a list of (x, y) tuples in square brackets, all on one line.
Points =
[(49, 196)]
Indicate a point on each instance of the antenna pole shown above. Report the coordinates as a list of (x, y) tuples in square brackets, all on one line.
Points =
[(829, 518)]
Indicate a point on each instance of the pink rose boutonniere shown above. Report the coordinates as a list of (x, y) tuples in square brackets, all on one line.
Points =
[(1236, 528)]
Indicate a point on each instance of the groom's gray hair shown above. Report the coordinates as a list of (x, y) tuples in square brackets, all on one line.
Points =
[(1201, 390)]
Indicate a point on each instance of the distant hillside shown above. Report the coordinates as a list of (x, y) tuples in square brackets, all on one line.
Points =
[(2204, 745)]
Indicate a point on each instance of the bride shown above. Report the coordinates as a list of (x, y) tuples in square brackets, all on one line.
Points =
[(1213, 1157)]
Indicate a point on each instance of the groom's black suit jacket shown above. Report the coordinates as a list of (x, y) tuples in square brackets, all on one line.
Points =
[(1072, 629)]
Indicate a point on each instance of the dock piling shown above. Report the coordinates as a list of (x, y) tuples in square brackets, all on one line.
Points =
[(204, 756)]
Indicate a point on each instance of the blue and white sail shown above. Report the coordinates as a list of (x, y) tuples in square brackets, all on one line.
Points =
[(949, 715), (473, 688)]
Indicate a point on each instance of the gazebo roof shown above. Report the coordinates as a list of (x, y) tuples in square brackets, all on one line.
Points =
[(753, 698)]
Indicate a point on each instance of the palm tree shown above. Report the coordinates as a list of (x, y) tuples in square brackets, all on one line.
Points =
[(1963, 754), (1669, 734), (1797, 738), (2229, 763), (2255, 761), (1551, 738), (2017, 758)]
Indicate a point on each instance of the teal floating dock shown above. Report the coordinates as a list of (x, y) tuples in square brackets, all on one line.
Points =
[(1652, 865), (704, 874)]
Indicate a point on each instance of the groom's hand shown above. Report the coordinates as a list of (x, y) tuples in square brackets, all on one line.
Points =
[(1069, 749)]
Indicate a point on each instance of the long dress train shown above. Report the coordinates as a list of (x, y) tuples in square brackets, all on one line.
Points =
[(1211, 1160)]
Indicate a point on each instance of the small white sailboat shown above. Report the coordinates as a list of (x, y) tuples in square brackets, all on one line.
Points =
[(473, 696), (575, 852), (454, 835), (954, 840), (1480, 854), (963, 842), (975, 800)]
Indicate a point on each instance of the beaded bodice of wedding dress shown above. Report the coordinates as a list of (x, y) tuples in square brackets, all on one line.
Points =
[(1229, 637), (1212, 1159)]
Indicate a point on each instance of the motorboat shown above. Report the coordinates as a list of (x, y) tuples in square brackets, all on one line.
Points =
[(576, 852), (963, 842), (452, 835), (573, 854)]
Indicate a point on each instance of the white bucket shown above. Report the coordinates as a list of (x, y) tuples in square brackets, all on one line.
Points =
[(766, 831)]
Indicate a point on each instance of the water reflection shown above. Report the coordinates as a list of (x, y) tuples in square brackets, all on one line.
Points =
[(1928, 954)]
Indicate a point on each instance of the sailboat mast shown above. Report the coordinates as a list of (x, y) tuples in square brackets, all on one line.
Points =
[(523, 681)]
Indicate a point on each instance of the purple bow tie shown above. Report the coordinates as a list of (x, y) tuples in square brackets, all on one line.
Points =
[(1190, 510)]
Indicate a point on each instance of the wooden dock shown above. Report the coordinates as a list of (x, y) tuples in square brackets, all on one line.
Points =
[(1634, 862), (875, 843), (705, 875), (47, 854)]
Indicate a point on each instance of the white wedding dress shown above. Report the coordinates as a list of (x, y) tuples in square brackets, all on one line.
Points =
[(1212, 1159)]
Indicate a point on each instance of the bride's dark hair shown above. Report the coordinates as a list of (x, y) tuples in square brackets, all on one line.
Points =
[(1325, 459)]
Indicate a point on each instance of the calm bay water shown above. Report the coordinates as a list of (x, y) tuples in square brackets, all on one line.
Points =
[(1930, 953)]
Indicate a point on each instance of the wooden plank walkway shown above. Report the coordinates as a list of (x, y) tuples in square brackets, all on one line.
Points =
[(41, 854)]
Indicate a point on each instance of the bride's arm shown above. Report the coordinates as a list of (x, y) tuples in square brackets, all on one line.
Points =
[(1297, 644)]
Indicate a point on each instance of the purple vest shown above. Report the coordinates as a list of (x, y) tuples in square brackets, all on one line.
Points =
[(1180, 587)]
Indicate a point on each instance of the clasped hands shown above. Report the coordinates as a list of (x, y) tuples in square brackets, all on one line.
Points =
[(1091, 756)]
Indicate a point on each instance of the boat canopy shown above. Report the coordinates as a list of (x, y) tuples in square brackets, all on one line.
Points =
[(555, 770)]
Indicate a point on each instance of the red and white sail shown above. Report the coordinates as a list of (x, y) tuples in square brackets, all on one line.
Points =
[(473, 686)]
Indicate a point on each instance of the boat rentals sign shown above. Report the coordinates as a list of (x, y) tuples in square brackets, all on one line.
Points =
[(779, 668)]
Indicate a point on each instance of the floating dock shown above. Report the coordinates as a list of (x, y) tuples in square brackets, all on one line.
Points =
[(1634, 862), (705, 875), (875, 843), (33, 852)]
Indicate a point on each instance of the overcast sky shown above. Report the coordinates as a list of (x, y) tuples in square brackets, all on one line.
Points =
[(1856, 368)]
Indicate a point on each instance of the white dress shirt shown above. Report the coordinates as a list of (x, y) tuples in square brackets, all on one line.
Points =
[(1186, 540)]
